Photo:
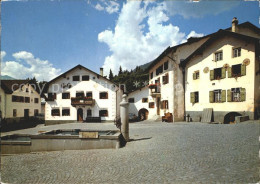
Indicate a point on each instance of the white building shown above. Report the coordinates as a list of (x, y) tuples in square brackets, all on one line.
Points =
[(18, 100), (141, 104), (79, 94), (223, 75)]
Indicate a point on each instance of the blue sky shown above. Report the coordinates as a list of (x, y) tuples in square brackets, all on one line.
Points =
[(45, 38)]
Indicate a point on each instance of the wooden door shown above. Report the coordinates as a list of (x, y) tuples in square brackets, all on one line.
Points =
[(80, 115)]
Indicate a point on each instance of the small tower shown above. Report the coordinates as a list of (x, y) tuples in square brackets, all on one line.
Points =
[(234, 25)]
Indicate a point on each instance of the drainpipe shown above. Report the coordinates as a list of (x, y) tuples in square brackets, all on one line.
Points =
[(183, 83)]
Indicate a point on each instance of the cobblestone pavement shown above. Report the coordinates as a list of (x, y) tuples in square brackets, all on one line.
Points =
[(158, 153)]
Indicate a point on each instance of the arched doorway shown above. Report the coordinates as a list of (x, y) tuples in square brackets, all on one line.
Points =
[(80, 115), (143, 114), (230, 117)]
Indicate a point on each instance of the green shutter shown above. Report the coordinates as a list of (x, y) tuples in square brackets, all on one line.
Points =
[(243, 70), (194, 76), (211, 74), (211, 96), (223, 73), (242, 94), (223, 95), (192, 97), (229, 95), (229, 72)]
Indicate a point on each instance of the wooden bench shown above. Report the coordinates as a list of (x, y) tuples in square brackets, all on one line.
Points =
[(93, 119), (167, 117)]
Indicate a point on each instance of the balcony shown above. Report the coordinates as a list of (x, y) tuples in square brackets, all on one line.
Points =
[(82, 101), (155, 89)]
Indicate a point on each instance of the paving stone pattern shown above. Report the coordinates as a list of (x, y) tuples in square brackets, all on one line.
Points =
[(158, 153)]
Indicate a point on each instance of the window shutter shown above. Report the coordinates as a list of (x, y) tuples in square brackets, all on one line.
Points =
[(229, 72), (54, 96), (194, 76), (211, 96), (223, 95), (229, 95), (192, 97), (243, 94), (223, 73), (211, 74), (243, 70)]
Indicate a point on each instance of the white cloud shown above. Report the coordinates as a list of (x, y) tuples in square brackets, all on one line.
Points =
[(194, 34), (26, 65), (141, 33), (189, 9), (99, 7), (108, 6), (3, 54)]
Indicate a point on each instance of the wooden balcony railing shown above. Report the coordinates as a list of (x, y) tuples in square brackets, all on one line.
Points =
[(82, 101)]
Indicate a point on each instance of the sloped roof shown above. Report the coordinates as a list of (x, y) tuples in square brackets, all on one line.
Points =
[(195, 39), (246, 24), (213, 38), (79, 66), (9, 86)]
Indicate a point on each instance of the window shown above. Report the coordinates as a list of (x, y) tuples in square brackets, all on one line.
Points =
[(27, 99), (131, 100), (166, 79), (26, 90), (165, 65), (103, 95), (36, 100), (151, 75), (89, 95), (151, 104), (52, 95), (14, 112), (218, 56), (89, 113), (65, 112), (103, 113), (217, 73), (194, 97), (144, 100), (55, 112), (80, 94), (196, 75), (237, 52), (75, 78), (237, 71), (65, 95), (36, 112), (14, 98), (217, 96), (164, 104), (159, 70), (85, 78), (236, 95)]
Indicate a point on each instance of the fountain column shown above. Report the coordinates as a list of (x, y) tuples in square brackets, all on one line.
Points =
[(124, 115)]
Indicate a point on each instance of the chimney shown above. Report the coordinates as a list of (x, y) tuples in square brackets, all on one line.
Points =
[(101, 72), (234, 25)]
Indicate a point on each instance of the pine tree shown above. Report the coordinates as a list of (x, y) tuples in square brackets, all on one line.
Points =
[(120, 70), (111, 76)]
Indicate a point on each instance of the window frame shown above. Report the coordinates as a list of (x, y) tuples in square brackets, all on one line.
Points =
[(144, 100), (63, 95), (55, 114), (151, 105), (36, 100), (103, 115), (234, 52), (216, 57), (64, 110), (76, 78), (101, 93), (85, 77)]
